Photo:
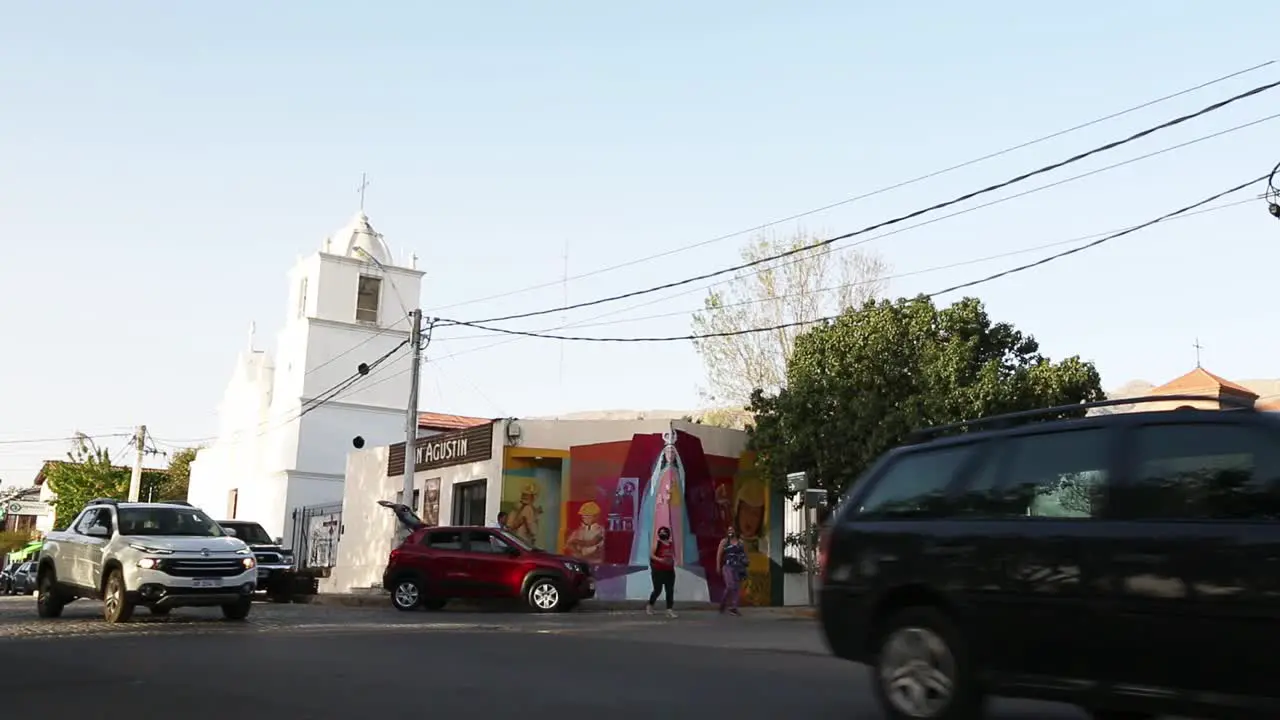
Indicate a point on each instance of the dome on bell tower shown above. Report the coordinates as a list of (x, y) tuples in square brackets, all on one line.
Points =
[(358, 237)]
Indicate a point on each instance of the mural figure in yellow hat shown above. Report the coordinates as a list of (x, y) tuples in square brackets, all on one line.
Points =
[(524, 520), (749, 516), (587, 540)]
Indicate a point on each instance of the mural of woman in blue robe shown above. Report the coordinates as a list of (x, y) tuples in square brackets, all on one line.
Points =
[(663, 505)]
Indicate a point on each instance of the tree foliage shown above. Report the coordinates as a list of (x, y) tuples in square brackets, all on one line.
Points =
[(88, 473), (179, 478), (857, 386), (797, 289), (11, 540)]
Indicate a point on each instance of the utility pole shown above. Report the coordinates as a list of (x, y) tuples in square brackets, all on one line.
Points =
[(135, 478), (411, 412)]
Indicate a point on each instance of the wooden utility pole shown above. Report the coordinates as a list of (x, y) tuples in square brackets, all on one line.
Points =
[(135, 478)]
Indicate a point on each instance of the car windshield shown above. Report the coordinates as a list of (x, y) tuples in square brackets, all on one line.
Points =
[(251, 533), (169, 521), (516, 540)]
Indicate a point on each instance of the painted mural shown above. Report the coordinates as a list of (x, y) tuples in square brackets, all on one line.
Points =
[(606, 502), (531, 499)]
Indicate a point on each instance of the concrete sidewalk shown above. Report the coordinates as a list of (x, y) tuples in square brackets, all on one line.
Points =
[(383, 599)]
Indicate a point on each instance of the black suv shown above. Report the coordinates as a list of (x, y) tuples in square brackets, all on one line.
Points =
[(1128, 563)]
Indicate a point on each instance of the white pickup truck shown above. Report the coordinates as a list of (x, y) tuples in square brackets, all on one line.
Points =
[(157, 555)]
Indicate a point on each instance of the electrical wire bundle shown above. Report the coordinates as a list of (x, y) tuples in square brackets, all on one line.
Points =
[(1273, 192), (487, 324)]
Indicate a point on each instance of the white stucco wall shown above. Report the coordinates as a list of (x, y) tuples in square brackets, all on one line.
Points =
[(276, 459), (369, 531), (564, 434)]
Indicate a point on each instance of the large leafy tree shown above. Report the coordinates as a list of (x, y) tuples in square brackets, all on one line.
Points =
[(858, 385), (88, 473)]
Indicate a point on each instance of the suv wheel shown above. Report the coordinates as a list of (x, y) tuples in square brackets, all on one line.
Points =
[(407, 593), (49, 602), (116, 607), (238, 610), (922, 670), (545, 596)]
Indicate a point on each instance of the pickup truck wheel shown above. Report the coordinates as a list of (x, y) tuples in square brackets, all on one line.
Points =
[(116, 607), (238, 610), (49, 603)]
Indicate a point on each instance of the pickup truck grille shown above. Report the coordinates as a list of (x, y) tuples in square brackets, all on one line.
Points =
[(211, 567), (269, 558)]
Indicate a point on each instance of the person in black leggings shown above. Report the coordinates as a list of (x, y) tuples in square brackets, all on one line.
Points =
[(662, 565)]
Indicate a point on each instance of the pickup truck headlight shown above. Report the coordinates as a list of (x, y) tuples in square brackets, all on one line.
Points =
[(148, 563), (249, 563)]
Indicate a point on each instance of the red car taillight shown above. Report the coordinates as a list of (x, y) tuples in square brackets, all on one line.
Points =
[(395, 556)]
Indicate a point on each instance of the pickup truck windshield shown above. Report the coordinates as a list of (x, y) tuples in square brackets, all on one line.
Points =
[(251, 533), (185, 522)]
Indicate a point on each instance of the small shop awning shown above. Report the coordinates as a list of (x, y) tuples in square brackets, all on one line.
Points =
[(27, 551)]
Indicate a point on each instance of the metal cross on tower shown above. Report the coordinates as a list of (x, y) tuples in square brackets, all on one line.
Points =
[(1198, 348), (364, 185)]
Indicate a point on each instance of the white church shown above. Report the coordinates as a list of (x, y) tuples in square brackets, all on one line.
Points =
[(347, 306)]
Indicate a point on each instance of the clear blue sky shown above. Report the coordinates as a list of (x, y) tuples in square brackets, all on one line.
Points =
[(163, 164)]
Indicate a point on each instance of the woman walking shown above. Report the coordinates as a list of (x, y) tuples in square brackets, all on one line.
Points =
[(662, 566), (731, 558)]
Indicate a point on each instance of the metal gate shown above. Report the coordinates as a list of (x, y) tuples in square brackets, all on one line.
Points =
[(316, 529)]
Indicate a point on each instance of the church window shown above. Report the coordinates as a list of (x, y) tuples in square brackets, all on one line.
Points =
[(302, 299), (367, 297)]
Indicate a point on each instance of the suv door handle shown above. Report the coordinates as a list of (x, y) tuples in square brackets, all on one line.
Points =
[(949, 550)]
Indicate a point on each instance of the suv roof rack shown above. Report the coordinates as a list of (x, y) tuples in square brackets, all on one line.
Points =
[(1009, 419), (102, 501)]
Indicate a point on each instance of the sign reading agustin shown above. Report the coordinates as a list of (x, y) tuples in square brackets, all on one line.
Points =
[(456, 448)]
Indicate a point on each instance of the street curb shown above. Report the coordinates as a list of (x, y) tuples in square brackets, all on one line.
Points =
[(381, 599)]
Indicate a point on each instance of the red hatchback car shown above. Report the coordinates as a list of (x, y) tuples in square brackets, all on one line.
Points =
[(434, 565)]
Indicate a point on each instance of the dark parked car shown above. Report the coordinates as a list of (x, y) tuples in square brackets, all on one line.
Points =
[(23, 581), (276, 575), (1128, 563), (6, 578), (436, 564)]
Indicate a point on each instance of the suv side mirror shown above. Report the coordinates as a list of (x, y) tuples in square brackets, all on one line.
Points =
[(229, 532), (97, 531), (278, 541)]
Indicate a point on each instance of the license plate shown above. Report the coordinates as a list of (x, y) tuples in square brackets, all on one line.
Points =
[(206, 582)]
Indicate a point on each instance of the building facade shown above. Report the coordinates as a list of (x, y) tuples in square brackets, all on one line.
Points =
[(587, 489), (286, 421)]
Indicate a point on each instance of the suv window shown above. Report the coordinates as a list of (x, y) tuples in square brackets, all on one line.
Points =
[(97, 517), (1219, 471), (444, 540), (483, 542), (1054, 475), (917, 483)]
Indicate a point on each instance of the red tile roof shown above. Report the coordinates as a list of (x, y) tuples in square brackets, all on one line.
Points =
[(1201, 381), (445, 421)]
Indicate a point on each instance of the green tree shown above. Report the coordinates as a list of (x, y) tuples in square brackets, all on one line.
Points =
[(89, 473), (86, 474), (858, 385), (175, 483), (11, 540)]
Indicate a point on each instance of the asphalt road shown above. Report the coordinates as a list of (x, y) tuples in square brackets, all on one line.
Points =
[(317, 662)]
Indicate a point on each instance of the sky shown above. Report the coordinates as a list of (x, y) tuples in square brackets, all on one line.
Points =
[(163, 165)]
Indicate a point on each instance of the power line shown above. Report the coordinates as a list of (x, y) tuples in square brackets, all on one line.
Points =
[(869, 194), (73, 438), (893, 221), (328, 395), (953, 288), (587, 323)]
